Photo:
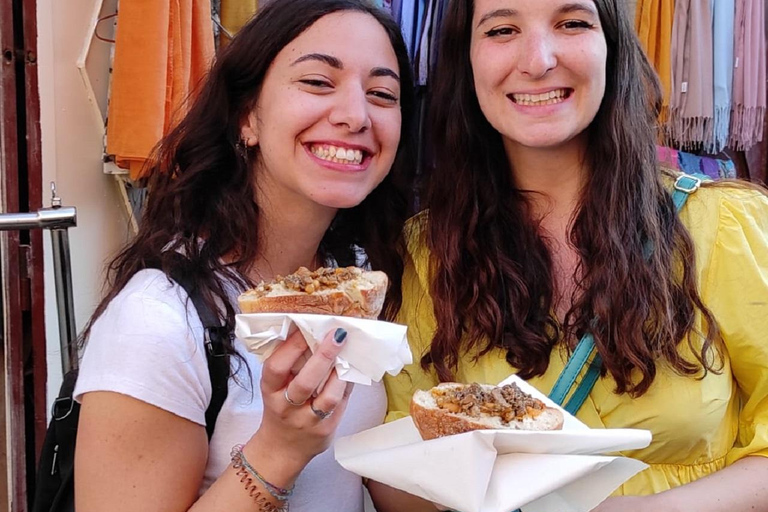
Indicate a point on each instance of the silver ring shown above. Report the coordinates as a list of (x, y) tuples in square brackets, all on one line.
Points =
[(320, 414), (288, 399)]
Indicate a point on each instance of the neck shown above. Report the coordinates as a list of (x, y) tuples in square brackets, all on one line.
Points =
[(554, 176), (290, 233)]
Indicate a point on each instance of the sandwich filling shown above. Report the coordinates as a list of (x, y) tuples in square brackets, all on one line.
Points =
[(509, 403), (309, 281)]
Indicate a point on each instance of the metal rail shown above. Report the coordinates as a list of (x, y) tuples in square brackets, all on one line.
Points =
[(58, 219)]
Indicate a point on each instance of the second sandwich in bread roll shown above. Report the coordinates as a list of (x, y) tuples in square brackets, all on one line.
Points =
[(450, 408), (348, 291)]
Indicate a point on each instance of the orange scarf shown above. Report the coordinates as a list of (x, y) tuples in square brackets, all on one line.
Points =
[(162, 51)]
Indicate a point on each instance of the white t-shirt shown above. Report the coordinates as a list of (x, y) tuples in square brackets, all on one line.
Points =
[(148, 344)]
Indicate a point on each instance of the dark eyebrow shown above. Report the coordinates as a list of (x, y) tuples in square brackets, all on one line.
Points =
[(578, 7), (376, 72), (336, 63), (327, 59), (564, 9), (498, 13)]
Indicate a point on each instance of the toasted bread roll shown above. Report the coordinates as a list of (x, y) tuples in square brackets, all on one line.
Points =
[(452, 408), (348, 291)]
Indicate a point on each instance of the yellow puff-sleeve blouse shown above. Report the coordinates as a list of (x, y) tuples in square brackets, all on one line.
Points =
[(698, 425)]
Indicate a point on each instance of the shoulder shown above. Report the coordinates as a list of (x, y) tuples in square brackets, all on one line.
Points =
[(415, 234), (150, 300), (725, 206), (728, 224), (148, 344)]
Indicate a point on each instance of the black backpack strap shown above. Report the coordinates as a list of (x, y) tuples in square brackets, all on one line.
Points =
[(54, 486), (218, 360)]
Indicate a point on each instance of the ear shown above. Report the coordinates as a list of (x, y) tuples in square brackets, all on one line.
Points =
[(249, 131)]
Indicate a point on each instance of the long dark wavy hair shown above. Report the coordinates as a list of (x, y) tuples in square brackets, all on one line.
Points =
[(492, 271), (201, 188)]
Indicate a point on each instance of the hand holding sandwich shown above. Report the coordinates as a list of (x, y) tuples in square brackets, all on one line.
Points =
[(304, 400)]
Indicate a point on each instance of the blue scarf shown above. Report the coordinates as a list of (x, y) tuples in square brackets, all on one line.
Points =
[(723, 33)]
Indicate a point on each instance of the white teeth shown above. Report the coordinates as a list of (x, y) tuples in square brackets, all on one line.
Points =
[(337, 155), (547, 98)]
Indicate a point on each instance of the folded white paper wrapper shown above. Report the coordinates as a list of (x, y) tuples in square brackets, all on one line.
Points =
[(497, 470), (373, 347)]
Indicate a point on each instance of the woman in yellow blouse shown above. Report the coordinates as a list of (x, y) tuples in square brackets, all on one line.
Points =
[(548, 218)]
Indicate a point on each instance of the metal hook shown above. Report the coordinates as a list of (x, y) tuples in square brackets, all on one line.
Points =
[(55, 200)]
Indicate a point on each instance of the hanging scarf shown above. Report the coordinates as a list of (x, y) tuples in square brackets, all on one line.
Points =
[(653, 23), (691, 102), (235, 14), (749, 75), (162, 51), (723, 12)]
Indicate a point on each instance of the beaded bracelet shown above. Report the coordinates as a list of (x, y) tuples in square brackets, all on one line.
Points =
[(240, 462)]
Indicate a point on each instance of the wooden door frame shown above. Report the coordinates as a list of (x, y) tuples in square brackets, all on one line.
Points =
[(23, 289)]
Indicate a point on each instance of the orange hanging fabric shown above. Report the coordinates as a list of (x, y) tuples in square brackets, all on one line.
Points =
[(162, 51), (653, 23)]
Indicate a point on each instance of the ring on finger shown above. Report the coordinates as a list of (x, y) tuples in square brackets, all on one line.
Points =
[(288, 399), (319, 413)]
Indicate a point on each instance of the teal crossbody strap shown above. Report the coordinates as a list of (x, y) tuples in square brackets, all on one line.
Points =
[(685, 185), (572, 369)]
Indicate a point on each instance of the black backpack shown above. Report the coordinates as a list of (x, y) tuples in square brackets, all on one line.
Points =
[(55, 485)]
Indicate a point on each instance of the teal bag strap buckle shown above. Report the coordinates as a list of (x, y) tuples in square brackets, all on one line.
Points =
[(685, 185)]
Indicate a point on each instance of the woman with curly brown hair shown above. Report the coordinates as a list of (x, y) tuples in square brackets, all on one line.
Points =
[(290, 156), (548, 218)]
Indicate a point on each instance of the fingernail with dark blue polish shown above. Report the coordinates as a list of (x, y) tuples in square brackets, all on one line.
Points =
[(339, 336)]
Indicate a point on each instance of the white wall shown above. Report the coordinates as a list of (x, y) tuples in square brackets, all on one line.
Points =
[(72, 145)]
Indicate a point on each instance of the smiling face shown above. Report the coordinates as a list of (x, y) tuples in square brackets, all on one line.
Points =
[(539, 69), (327, 120)]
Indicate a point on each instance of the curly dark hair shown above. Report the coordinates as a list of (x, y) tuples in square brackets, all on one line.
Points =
[(202, 189), (492, 271)]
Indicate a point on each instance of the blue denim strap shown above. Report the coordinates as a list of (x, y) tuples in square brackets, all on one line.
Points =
[(572, 369)]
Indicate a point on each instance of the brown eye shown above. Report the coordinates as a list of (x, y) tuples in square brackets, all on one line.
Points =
[(500, 31), (315, 83), (391, 98), (577, 24)]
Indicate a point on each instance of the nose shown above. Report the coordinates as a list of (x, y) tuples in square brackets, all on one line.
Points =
[(350, 111), (537, 55)]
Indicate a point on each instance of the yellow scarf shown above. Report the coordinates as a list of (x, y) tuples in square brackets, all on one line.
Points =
[(235, 14)]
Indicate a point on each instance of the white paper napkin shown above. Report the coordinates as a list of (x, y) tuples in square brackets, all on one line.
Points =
[(498, 470), (373, 347)]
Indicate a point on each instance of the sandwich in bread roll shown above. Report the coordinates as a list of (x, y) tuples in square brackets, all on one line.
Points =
[(450, 408), (349, 291)]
